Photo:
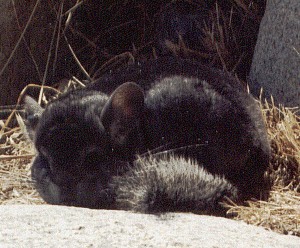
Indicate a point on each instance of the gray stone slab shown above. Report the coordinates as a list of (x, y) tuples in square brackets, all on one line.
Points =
[(60, 226), (276, 61)]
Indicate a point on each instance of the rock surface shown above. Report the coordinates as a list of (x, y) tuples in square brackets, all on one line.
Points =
[(276, 61), (59, 226)]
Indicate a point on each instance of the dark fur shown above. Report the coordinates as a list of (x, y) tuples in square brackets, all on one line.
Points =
[(85, 138), (146, 73)]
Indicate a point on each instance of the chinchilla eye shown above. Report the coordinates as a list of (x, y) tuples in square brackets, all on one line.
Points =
[(95, 158)]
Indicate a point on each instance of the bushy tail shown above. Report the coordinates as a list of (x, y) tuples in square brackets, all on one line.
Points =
[(172, 184)]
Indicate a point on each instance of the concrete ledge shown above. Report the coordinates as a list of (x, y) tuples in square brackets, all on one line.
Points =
[(59, 226)]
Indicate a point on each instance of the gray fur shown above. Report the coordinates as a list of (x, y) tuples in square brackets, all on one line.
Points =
[(172, 184)]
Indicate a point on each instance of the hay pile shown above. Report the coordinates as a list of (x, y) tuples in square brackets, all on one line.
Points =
[(16, 154), (15, 177), (230, 35)]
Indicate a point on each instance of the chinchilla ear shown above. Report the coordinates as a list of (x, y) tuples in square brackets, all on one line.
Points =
[(122, 113), (33, 112)]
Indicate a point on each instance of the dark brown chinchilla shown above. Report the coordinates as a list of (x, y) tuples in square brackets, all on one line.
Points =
[(180, 112)]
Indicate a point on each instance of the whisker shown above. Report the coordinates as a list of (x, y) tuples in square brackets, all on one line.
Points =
[(168, 151), (155, 150)]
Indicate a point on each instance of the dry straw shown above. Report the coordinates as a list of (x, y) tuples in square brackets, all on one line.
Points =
[(225, 49)]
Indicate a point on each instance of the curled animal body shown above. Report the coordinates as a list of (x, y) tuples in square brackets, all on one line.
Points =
[(204, 134)]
